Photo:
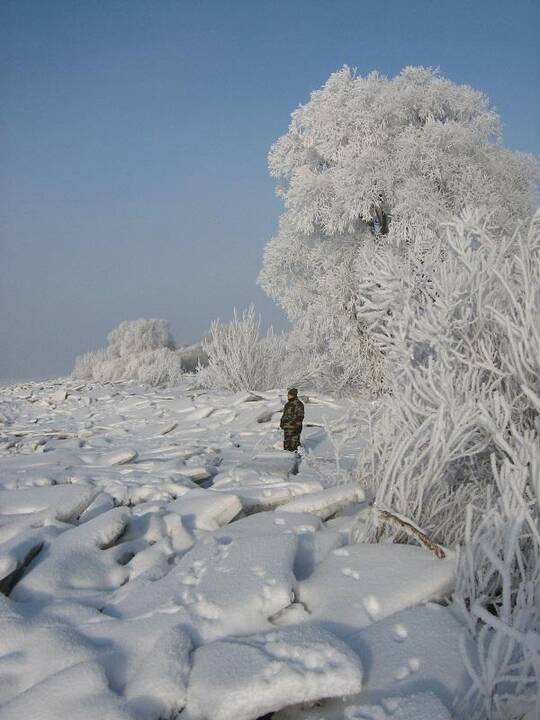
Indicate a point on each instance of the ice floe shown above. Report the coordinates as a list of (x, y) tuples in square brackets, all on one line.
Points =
[(161, 556)]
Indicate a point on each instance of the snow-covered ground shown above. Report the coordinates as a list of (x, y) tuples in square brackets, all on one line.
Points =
[(162, 557)]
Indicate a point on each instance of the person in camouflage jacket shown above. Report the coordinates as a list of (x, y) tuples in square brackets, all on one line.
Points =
[(291, 420)]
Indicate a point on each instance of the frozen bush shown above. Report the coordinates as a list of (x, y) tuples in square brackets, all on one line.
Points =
[(139, 351), (498, 591), (454, 445), (156, 367), (86, 364), (191, 357), (462, 350), (137, 336), (239, 358)]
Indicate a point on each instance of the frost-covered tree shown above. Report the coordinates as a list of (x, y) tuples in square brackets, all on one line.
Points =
[(372, 163), (136, 336), (141, 351)]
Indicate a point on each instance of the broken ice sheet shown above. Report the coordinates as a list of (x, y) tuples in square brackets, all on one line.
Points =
[(243, 678)]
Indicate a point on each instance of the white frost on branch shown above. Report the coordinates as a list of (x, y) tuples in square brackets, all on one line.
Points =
[(455, 446), (240, 358), (369, 170), (140, 351)]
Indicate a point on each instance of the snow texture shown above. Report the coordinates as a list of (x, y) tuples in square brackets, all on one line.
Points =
[(361, 584), (161, 557), (326, 503), (245, 678)]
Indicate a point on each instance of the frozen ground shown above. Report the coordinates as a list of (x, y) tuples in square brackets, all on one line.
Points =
[(161, 557)]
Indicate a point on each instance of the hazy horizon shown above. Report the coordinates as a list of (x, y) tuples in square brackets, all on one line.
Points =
[(135, 135)]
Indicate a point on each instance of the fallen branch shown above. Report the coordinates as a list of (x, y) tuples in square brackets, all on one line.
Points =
[(410, 528)]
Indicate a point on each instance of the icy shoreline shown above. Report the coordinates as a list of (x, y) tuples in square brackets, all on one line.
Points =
[(160, 559)]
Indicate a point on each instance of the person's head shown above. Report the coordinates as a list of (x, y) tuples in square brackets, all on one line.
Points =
[(292, 393)]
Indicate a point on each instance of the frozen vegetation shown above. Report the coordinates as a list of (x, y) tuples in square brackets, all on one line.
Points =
[(141, 351), (162, 557), (372, 168)]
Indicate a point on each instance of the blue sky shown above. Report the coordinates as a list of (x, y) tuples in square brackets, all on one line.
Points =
[(134, 138)]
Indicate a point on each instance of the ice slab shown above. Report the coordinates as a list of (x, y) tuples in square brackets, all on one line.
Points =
[(101, 503), (32, 651), (18, 552), (246, 677), (326, 503), (117, 457), (49, 502), (314, 540), (158, 688), (357, 585), (199, 413), (265, 466), (77, 563), (80, 691), (206, 509), (257, 493), (224, 585), (417, 646)]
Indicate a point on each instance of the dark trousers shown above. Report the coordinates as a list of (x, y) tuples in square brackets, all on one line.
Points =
[(291, 438)]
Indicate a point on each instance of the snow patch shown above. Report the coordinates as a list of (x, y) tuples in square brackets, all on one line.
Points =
[(244, 678)]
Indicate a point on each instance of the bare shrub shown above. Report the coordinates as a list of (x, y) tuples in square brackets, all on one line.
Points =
[(191, 357), (239, 358), (86, 364)]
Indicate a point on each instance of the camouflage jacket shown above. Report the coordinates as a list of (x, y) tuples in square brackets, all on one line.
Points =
[(293, 415)]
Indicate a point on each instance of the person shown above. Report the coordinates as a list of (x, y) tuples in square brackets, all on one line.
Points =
[(291, 420)]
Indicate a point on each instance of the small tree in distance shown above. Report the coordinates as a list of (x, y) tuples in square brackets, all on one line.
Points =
[(136, 336), (140, 351)]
